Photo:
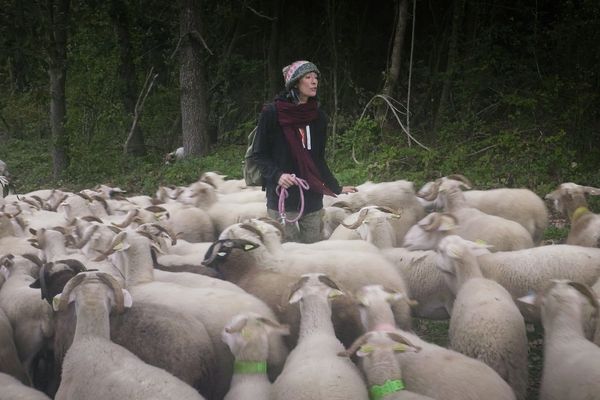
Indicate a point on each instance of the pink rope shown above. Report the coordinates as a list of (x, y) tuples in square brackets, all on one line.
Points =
[(283, 194)]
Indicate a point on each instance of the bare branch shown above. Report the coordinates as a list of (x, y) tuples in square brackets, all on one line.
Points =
[(139, 105), (198, 37), (259, 14)]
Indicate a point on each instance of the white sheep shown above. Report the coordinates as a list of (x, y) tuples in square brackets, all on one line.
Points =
[(174, 156), (332, 218), (94, 367), (29, 315), (226, 186), (519, 205), (376, 350), (9, 357), (378, 225), (519, 272), (485, 323), (399, 194), (571, 362), (569, 199), (313, 369), (13, 389), (433, 371), (474, 224), (424, 280), (246, 335)]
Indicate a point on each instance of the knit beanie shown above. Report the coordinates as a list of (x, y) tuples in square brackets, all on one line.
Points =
[(296, 70)]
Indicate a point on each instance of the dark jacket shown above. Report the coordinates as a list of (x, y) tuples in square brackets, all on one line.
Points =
[(273, 156)]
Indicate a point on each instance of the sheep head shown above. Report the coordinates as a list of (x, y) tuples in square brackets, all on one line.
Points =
[(314, 284), (122, 298), (374, 341)]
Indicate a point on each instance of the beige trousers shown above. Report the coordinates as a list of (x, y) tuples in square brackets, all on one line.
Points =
[(306, 230)]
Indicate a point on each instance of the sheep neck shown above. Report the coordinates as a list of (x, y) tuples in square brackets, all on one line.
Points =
[(315, 313), (380, 234), (466, 268), (384, 366), (138, 264), (92, 313), (379, 316), (564, 325), (54, 246), (454, 200)]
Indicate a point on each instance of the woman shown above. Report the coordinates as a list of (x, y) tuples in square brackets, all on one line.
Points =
[(289, 149)]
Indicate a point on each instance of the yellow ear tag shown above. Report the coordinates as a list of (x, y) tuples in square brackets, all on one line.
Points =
[(246, 334), (335, 293), (248, 247), (399, 347), (56, 302), (367, 348), (118, 246), (481, 242)]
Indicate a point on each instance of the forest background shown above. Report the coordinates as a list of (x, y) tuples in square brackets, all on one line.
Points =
[(504, 92)]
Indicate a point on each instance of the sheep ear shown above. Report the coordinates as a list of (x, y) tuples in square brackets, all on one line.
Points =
[(295, 297), (530, 299), (56, 302), (447, 222), (4, 272), (365, 350), (127, 299)]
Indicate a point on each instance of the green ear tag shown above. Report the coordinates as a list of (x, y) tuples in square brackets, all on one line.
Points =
[(250, 367), (377, 392)]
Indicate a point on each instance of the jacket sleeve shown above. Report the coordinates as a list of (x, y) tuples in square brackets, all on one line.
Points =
[(328, 178), (262, 148)]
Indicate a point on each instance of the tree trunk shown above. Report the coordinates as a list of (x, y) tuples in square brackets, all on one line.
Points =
[(274, 69), (127, 77), (457, 17), (58, 13), (393, 73), (194, 122)]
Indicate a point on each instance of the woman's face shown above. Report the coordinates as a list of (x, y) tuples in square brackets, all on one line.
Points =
[(307, 86)]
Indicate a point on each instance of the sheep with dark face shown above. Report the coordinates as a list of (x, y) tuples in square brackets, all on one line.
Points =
[(351, 269)]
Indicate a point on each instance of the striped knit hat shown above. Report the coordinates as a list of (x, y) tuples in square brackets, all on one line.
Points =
[(297, 70)]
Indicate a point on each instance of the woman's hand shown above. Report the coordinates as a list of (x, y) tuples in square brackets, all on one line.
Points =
[(287, 180), (349, 189)]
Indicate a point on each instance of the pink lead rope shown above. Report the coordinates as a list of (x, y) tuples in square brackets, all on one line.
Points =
[(283, 194)]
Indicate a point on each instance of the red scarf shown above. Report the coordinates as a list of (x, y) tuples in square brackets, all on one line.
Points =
[(293, 117)]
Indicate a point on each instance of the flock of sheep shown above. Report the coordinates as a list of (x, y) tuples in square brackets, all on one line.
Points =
[(194, 293)]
